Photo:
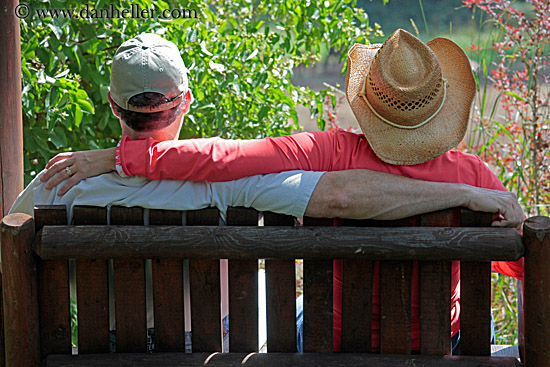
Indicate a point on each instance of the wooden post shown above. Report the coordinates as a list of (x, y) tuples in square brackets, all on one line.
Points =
[(20, 291), (536, 232), (11, 126)]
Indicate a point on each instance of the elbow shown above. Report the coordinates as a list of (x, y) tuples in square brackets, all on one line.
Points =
[(339, 199), (340, 205)]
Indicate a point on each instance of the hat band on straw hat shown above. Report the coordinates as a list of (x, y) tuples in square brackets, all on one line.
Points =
[(394, 124)]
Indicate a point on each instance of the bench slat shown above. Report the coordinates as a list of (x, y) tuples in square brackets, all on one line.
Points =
[(204, 279), (395, 307), (475, 308), (409, 243), (92, 287), (129, 282), (168, 292), (168, 305), (276, 360), (280, 279), (435, 279), (53, 291), (357, 306), (318, 297), (243, 290), (318, 293)]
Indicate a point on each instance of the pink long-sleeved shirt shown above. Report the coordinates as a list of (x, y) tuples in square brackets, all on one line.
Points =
[(217, 159)]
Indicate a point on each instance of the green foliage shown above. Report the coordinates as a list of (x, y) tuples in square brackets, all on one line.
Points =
[(504, 305), (240, 53)]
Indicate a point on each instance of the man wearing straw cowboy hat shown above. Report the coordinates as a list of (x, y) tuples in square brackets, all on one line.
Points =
[(412, 101)]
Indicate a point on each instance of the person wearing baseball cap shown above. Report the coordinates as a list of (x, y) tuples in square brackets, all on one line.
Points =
[(149, 87)]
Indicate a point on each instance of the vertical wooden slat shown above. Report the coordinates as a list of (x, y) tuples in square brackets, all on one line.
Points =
[(395, 298), (203, 217), (318, 312), (204, 279), (318, 299), (19, 292), (475, 308), (357, 306), (475, 295), (435, 294), (53, 290), (129, 282), (280, 279), (536, 232), (168, 292), (243, 291), (395, 307), (92, 290)]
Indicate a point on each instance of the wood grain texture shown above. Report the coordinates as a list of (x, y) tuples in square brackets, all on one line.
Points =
[(11, 120), (475, 308), (435, 292), (204, 282), (160, 217), (280, 279), (129, 282), (2, 339), (243, 305), (277, 360), (203, 217), (168, 292), (168, 305), (93, 306), (318, 300), (536, 290), (280, 285), (243, 290), (20, 298), (357, 295), (469, 218), (241, 242), (92, 290), (53, 291), (395, 307), (204, 278), (89, 215), (435, 307)]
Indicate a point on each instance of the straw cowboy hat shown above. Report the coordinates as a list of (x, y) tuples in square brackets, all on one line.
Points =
[(411, 99)]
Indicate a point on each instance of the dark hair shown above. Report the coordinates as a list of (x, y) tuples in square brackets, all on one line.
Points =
[(139, 121)]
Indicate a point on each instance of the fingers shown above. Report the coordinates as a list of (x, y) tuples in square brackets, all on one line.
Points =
[(59, 177), (55, 168), (59, 157), (73, 180)]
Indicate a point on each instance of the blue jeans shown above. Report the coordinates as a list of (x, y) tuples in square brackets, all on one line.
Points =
[(455, 341)]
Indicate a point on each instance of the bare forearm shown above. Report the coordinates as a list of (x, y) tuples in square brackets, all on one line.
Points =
[(365, 194)]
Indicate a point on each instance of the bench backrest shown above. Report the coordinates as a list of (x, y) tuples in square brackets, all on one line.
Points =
[(358, 245)]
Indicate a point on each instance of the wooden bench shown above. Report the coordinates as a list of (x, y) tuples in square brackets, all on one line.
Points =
[(35, 263)]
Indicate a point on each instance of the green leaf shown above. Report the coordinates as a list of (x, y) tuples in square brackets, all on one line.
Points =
[(58, 138), (77, 115), (104, 91), (515, 95), (85, 105)]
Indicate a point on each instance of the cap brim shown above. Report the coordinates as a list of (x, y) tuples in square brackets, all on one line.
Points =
[(445, 131)]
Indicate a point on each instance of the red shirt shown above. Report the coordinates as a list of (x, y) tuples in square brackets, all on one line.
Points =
[(217, 159)]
